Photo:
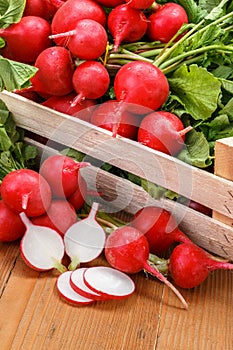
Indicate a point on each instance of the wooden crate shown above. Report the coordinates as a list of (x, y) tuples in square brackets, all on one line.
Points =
[(32, 316), (215, 192)]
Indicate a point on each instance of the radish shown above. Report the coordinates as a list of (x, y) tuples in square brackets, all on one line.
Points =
[(40, 8), (11, 225), (159, 227), (67, 16), (26, 39), (62, 173), (55, 72), (140, 4), (41, 247), (84, 241), (110, 3), (109, 282), (83, 78), (163, 131), (87, 41), (127, 250), (201, 208), (81, 110), (110, 116), (26, 190), (142, 84), (68, 293), (79, 286), (190, 265), (77, 198), (166, 21), (126, 24), (59, 216)]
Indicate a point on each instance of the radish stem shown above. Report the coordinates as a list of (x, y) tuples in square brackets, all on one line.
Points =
[(156, 273)]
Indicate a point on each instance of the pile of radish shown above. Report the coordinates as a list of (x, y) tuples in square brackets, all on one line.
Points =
[(75, 46), (71, 43)]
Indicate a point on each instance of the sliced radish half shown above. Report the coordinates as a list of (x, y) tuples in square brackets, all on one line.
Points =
[(84, 241), (41, 247), (77, 283), (109, 282), (67, 292)]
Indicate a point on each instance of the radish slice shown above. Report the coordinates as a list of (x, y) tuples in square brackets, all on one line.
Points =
[(109, 282), (41, 247), (77, 283), (84, 241), (67, 292)]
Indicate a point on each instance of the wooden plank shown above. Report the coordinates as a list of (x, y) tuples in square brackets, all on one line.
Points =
[(166, 171), (207, 324), (224, 167), (39, 319), (8, 255)]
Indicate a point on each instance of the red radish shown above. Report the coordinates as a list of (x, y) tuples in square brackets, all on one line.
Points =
[(55, 72), (126, 24), (30, 95), (26, 190), (84, 76), (166, 21), (41, 247), (140, 4), (87, 41), (68, 293), (160, 228), (59, 216), (40, 8), (56, 3), (163, 131), (110, 3), (11, 225), (77, 198), (199, 207), (62, 173), (79, 286), (190, 265), (26, 39), (142, 84), (71, 11), (84, 241), (110, 116), (81, 110), (109, 282), (127, 250)]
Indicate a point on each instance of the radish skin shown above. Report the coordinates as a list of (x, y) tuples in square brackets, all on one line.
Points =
[(67, 292), (127, 250)]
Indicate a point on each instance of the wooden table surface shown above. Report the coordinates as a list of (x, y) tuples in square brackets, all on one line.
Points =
[(33, 316)]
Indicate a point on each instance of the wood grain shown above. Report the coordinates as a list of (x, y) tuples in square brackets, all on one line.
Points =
[(224, 167)]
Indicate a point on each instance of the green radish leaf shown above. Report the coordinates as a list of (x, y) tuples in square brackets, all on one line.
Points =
[(15, 75), (217, 11), (196, 89), (227, 85), (197, 152), (194, 12), (11, 12)]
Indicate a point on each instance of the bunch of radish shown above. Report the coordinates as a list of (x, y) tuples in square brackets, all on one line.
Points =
[(43, 196), (70, 49)]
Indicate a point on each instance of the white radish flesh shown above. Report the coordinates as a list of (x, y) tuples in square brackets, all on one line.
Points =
[(79, 286), (84, 241), (67, 292), (41, 247), (109, 282)]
